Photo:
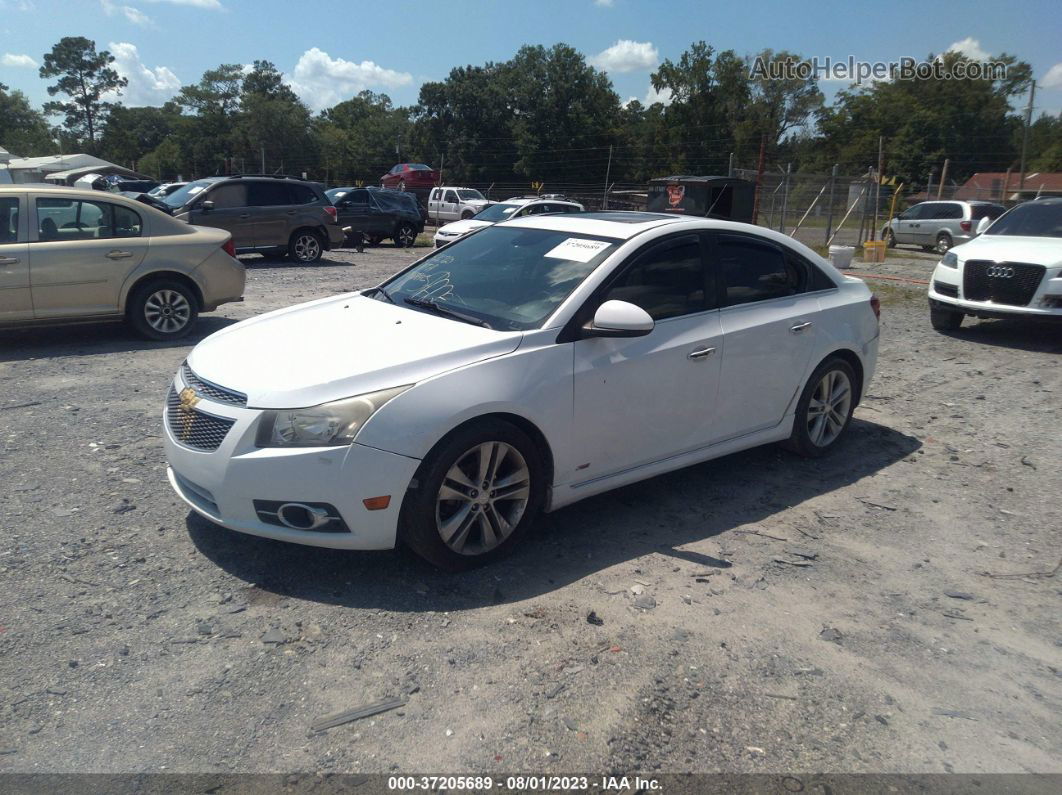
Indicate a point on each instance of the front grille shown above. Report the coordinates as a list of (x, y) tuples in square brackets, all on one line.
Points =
[(950, 290), (194, 428), (211, 391), (1012, 283)]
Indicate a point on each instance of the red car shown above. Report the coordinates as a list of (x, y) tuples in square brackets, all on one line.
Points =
[(411, 176)]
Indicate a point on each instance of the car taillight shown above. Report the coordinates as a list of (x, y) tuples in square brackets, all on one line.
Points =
[(332, 212), (965, 225), (875, 304), (229, 248)]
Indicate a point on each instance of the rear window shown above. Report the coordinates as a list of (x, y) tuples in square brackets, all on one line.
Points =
[(419, 167), (979, 211)]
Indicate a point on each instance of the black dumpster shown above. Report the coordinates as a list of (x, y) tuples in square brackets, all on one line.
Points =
[(728, 198)]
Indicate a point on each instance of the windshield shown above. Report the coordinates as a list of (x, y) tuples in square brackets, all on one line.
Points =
[(1034, 219), (336, 194), (512, 278), (496, 212), (181, 196), (470, 195)]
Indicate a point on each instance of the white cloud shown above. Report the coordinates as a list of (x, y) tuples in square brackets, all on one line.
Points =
[(147, 86), (1053, 78), (211, 5), (322, 81), (652, 96), (17, 61), (134, 15), (627, 56), (971, 48)]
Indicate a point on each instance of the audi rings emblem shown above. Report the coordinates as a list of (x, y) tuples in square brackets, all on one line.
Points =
[(1001, 271)]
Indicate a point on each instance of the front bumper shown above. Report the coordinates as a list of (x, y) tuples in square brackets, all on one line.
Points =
[(442, 240), (222, 485), (946, 288)]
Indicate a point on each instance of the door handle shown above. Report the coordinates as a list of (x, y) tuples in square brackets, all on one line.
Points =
[(800, 327), (9, 260), (117, 254), (700, 353)]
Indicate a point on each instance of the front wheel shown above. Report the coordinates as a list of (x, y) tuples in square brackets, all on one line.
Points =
[(305, 247), (945, 319), (943, 243), (475, 495), (890, 239), (163, 310), (405, 236), (824, 410)]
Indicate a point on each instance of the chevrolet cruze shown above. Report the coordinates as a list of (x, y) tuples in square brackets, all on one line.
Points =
[(524, 367)]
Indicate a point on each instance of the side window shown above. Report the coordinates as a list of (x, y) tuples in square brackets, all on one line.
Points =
[(72, 219), (435, 194), (951, 211), (666, 281), (127, 223), (754, 271), (812, 277), (916, 212), (8, 219), (359, 197), (302, 194), (930, 212), (451, 197), (267, 194), (226, 197)]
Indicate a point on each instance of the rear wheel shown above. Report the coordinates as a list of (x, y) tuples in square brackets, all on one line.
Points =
[(162, 310), (824, 410), (305, 246), (944, 319), (476, 495), (405, 236)]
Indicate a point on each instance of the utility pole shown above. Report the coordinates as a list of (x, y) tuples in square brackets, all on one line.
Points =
[(929, 185), (1025, 135), (785, 197), (263, 160), (829, 208), (730, 168), (608, 171), (759, 178), (877, 193), (943, 177)]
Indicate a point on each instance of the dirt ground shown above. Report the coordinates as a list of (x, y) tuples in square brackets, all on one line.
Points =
[(891, 608)]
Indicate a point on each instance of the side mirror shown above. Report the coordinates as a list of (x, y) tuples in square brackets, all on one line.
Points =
[(620, 319), (206, 206), (983, 224)]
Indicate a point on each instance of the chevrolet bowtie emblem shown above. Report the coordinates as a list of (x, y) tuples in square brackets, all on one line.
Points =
[(188, 399)]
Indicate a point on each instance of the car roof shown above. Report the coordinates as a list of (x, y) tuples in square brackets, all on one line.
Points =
[(620, 225), (522, 201)]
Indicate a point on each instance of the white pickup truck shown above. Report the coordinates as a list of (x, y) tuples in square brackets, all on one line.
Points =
[(454, 204)]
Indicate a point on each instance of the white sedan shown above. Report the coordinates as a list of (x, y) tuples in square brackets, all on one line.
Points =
[(521, 369), (1012, 269)]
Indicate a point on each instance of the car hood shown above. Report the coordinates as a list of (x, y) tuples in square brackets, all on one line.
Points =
[(464, 227), (1012, 248), (338, 347)]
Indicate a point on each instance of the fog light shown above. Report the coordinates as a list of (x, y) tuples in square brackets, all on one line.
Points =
[(377, 503)]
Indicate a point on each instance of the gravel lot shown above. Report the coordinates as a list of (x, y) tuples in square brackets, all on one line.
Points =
[(836, 615)]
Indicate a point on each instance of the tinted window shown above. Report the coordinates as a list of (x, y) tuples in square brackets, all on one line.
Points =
[(8, 219), (753, 271), (497, 212), (1033, 219), (950, 211), (267, 194), (360, 197), (127, 222), (228, 196), (181, 196), (666, 281), (979, 211), (302, 194), (72, 219), (450, 197)]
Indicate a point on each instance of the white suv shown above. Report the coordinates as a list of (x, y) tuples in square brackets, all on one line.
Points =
[(1013, 268), (519, 207), (454, 204)]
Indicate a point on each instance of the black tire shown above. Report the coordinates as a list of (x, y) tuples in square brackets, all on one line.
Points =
[(375, 240), (162, 310), (405, 236), (944, 319), (305, 246), (943, 243), (423, 509), (801, 441), (466, 215), (890, 239)]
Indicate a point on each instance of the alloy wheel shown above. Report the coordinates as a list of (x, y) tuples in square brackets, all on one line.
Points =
[(943, 244), (407, 236), (307, 248), (829, 407), (482, 498), (167, 311)]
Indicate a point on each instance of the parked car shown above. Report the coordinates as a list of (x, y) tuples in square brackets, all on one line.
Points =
[(166, 188), (519, 207), (455, 204), (939, 225), (148, 199), (375, 214), (410, 176), (1012, 269), (82, 255), (523, 368), (264, 214), (131, 185)]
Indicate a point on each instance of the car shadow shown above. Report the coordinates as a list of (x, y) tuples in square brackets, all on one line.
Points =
[(660, 515), (1027, 334), (92, 339)]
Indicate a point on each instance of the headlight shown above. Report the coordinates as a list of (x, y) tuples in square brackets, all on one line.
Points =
[(330, 424), (950, 260)]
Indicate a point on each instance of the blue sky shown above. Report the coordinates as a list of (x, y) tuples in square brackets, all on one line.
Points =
[(330, 50)]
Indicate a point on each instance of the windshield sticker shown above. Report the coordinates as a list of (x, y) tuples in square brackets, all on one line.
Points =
[(576, 249)]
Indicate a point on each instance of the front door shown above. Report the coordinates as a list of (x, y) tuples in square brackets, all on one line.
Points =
[(768, 325), (83, 253), (273, 210), (15, 301), (229, 212), (641, 399)]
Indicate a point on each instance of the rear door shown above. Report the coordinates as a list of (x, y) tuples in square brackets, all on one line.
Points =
[(15, 300), (81, 255), (927, 223), (272, 210), (768, 320), (230, 212)]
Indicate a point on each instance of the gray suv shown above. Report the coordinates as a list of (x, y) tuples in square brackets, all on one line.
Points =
[(939, 225), (265, 214)]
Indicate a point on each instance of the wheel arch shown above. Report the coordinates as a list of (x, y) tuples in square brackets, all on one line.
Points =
[(852, 359), (164, 275)]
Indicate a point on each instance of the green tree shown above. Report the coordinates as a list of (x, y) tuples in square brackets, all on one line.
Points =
[(360, 135), (272, 118), (130, 133), (23, 129), (85, 77)]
